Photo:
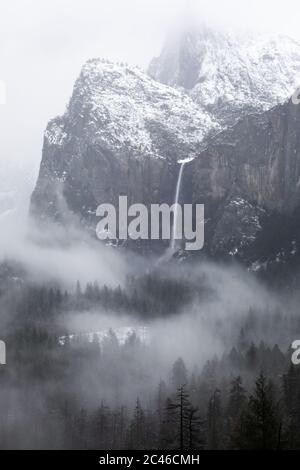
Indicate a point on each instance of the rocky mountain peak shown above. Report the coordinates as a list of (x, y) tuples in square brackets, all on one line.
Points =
[(120, 105), (122, 133), (230, 74)]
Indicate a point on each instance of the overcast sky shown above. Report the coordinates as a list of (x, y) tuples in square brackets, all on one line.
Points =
[(43, 44)]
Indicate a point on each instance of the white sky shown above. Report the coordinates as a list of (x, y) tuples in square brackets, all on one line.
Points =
[(43, 44)]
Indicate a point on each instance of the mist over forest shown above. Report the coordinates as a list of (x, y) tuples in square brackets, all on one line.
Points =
[(100, 361)]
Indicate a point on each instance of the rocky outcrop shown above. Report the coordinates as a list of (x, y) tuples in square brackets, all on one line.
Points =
[(122, 134), (247, 175), (259, 158)]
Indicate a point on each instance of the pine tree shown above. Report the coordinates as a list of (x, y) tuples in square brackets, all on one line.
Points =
[(260, 423), (215, 421), (181, 409), (237, 398), (179, 374), (236, 404), (136, 438), (291, 396), (195, 430), (102, 427), (160, 403), (252, 357), (167, 430), (242, 341)]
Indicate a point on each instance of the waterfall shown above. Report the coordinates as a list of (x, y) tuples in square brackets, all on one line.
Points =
[(172, 245), (177, 194)]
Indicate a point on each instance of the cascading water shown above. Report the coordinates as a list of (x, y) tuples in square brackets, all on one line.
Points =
[(172, 246), (177, 194)]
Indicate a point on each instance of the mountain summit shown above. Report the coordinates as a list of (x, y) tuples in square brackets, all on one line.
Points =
[(122, 133), (230, 74)]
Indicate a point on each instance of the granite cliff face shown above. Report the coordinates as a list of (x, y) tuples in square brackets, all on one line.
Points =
[(259, 158), (249, 177)]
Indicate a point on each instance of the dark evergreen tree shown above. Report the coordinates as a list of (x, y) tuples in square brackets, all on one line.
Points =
[(137, 431), (214, 421), (260, 423), (180, 408), (196, 440), (179, 374), (237, 398)]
